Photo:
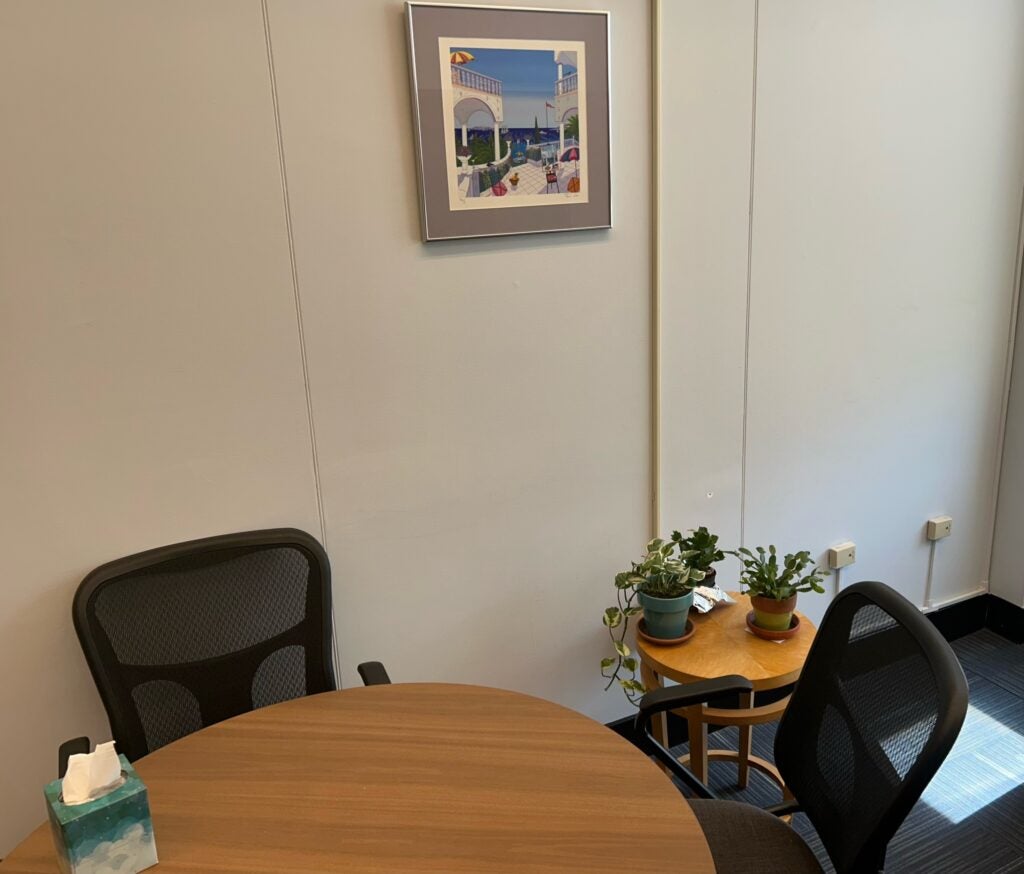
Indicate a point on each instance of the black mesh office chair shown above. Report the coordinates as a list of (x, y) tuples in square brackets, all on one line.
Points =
[(877, 708), (181, 637)]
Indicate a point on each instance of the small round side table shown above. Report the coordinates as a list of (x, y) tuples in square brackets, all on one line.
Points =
[(723, 645)]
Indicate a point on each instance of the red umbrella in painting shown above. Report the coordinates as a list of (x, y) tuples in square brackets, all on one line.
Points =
[(573, 154)]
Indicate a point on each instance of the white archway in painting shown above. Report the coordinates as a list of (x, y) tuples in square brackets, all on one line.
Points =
[(474, 92), (466, 108)]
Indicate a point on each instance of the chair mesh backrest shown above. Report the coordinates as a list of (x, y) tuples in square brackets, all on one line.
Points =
[(877, 707), (184, 636)]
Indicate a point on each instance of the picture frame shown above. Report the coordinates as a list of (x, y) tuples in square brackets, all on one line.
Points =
[(512, 119)]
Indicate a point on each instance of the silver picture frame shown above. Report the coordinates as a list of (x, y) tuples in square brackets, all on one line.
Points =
[(457, 199)]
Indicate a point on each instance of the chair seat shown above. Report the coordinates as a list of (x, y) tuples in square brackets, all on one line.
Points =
[(746, 839)]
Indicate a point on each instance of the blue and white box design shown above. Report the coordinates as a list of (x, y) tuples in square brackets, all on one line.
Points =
[(110, 833)]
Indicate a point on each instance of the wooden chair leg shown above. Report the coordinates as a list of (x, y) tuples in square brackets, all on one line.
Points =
[(746, 746), (698, 728), (659, 724)]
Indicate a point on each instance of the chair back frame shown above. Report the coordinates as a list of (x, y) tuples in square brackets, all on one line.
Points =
[(106, 668), (792, 741)]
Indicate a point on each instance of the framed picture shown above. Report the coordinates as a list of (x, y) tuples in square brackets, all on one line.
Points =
[(511, 116)]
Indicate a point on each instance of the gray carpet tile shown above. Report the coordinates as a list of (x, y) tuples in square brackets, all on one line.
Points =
[(971, 818), (993, 657)]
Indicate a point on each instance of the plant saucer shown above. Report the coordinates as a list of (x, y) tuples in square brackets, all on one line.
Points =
[(641, 629), (764, 633)]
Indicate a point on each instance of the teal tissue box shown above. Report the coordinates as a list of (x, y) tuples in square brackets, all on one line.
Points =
[(108, 834)]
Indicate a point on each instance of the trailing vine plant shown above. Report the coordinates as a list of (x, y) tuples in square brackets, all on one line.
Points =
[(660, 574)]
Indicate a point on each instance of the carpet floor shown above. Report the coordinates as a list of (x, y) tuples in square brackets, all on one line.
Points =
[(971, 818)]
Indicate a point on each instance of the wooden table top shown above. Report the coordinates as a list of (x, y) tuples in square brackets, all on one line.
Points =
[(410, 778), (722, 645)]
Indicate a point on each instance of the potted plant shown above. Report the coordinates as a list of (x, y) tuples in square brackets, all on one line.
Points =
[(705, 552), (661, 587), (773, 587), (513, 180)]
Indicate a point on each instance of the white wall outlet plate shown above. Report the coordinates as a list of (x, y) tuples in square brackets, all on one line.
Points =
[(939, 527), (842, 554)]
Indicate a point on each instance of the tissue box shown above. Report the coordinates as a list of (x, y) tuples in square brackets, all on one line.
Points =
[(110, 833)]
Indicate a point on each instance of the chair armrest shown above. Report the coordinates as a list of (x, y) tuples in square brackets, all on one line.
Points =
[(68, 749), (374, 674), (672, 698)]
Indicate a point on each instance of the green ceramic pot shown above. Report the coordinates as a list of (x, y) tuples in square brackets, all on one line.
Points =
[(665, 618)]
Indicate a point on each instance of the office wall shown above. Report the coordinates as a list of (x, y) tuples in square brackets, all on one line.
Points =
[(482, 408), (849, 357)]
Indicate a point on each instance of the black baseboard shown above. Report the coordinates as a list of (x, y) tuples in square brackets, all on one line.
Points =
[(954, 621), (1005, 618), (981, 611), (964, 617)]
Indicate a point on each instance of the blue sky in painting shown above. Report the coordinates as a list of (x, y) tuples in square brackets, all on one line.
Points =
[(527, 81)]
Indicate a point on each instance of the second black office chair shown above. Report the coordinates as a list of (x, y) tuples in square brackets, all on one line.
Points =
[(183, 636), (876, 710)]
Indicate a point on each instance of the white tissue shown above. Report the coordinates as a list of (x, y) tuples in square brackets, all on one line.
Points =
[(91, 775)]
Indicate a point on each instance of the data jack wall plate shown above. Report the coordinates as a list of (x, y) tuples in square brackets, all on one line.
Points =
[(939, 527), (842, 554)]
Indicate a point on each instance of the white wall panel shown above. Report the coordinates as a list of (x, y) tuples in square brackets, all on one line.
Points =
[(888, 163), (482, 406), (888, 170), (707, 63), (1007, 576), (150, 379)]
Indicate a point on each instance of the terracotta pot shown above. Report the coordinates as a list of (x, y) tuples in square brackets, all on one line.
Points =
[(771, 614)]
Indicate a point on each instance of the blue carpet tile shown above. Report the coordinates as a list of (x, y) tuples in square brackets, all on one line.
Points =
[(971, 818)]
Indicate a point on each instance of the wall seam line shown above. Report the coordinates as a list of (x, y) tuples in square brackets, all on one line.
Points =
[(750, 249), (299, 321), (656, 423)]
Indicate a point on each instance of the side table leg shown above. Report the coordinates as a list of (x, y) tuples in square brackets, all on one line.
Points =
[(698, 730), (746, 746)]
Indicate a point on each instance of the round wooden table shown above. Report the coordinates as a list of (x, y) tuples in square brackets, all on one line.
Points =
[(408, 778), (722, 645)]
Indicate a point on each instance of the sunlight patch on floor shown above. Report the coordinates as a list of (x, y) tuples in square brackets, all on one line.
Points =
[(986, 762)]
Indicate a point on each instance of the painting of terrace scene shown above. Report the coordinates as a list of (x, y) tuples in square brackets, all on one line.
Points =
[(517, 122)]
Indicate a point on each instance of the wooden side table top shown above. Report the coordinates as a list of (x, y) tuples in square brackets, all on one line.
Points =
[(410, 778), (722, 645)]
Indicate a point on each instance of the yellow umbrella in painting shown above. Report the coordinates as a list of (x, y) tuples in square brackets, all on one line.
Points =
[(461, 57)]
